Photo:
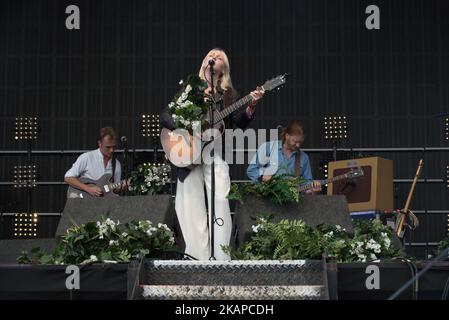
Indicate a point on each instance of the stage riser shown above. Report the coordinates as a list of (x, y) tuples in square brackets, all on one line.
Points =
[(230, 277), (42, 282), (111, 281), (233, 292), (298, 279)]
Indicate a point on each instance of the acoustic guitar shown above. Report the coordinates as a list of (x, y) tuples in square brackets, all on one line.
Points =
[(183, 150)]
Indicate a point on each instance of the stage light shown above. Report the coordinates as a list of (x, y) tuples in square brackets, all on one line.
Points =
[(335, 128), (446, 129), (25, 176), (26, 128), (150, 125), (25, 225), (165, 168)]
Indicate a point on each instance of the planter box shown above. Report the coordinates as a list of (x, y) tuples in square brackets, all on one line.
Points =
[(314, 210)]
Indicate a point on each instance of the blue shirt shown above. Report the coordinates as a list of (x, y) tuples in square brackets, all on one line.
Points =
[(270, 160)]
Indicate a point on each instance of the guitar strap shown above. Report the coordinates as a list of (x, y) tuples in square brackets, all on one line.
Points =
[(298, 163), (114, 164)]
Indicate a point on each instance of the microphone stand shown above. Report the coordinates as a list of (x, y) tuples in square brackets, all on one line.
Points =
[(212, 177), (125, 161)]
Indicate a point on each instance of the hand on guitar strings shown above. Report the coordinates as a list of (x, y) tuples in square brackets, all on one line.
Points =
[(256, 95), (94, 191), (266, 178), (316, 186)]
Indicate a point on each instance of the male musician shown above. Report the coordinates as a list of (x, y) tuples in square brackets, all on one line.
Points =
[(283, 157), (94, 164)]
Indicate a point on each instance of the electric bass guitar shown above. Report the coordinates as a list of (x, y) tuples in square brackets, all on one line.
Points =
[(184, 151), (352, 174), (103, 183)]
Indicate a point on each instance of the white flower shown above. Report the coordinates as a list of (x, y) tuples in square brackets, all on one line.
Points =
[(171, 105), (362, 257), (196, 125), (329, 234), (93, 258), (149, 233), (188, 88), (124, 234), (113, 242), (163, 226), (185, 122), (172, 240), (181, 82), (255, 228)]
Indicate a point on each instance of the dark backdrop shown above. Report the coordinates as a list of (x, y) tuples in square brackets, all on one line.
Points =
[(128, 57)]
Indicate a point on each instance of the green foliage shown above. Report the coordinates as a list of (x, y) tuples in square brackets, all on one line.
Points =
[(105, 240), (290, 240), (443, 244), (280, 189), (188, 108), (149, 179)]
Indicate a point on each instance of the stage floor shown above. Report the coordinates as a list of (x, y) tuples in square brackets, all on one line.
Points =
[(112, 281)]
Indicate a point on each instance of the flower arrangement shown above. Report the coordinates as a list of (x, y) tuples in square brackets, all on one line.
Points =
[(289, 240), (149, 179), (189, 107), (442, 245), (280, 189), (105, 241)]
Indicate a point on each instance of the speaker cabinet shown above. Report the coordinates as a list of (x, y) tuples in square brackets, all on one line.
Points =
[(372, 191)]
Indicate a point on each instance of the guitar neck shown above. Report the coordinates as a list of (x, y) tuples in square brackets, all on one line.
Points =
[(112, 186), (308, 185), (232, 108)]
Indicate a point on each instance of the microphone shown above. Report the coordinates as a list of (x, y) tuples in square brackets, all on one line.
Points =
[(124, 140), (211, 62)]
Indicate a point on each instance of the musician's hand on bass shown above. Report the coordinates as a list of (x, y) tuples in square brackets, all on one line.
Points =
[(316, 186), (94, 191), (123, 186), (266, 178)]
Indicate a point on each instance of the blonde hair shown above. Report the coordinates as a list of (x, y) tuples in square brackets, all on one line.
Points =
[(226, 82)]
